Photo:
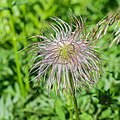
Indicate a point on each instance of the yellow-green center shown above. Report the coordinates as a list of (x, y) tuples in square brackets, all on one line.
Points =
[(66, 50)]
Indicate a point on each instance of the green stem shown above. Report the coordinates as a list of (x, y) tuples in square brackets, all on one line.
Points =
[(27, 83), (75, 106), (16, 54), (69, 105), (72, 91), (18, 68)]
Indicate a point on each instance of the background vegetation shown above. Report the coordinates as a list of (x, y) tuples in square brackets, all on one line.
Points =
[(19, 99)]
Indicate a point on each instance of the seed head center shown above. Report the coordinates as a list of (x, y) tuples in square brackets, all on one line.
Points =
[(66, 50)]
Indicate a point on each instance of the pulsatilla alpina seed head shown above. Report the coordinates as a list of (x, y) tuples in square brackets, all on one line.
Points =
[(68, 56)]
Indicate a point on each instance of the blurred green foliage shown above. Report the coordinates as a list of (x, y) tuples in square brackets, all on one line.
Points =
[(18, 99)]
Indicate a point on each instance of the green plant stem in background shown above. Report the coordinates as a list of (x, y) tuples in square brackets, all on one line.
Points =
[(27, 83), (18, 68), (23, 92)]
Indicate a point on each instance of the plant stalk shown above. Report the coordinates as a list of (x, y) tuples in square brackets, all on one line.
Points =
[(75, 106), (16, 54), (72, 91)]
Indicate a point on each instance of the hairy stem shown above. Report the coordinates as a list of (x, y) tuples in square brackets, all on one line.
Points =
[(72, 91), (75, 107), (69, 105)]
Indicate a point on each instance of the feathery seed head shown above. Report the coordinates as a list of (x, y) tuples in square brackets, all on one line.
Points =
[(69, 55)]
